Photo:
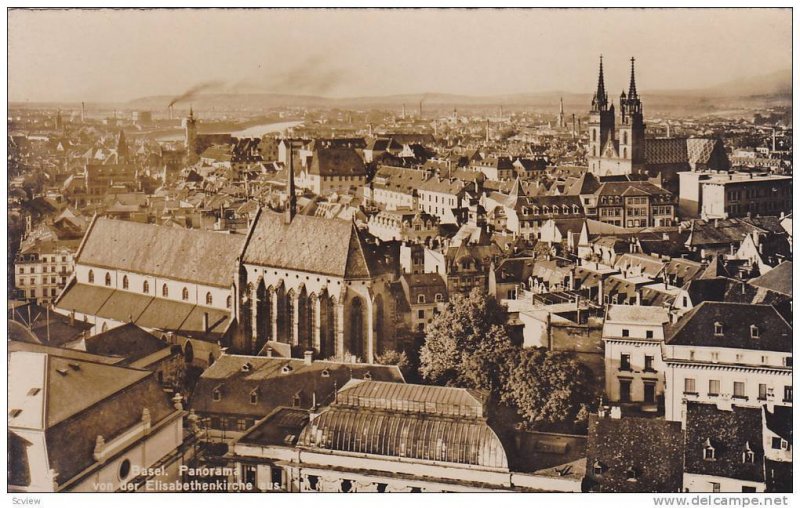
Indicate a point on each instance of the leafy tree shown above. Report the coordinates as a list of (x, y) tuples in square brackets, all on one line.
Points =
[(467, 344), (549, 387), (398, 358)]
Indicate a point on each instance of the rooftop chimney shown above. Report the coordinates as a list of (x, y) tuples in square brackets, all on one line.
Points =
[(308, 357), (616, 412), (269, 352)]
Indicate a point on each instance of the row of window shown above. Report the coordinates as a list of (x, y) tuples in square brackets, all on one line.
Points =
[(565, 209), (45, 269), (438, 297), (739, 389), (625, 362), (164, 289)]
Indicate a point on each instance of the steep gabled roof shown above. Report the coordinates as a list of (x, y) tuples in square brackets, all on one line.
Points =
[(697, 327), (309, 244), (205, 257)]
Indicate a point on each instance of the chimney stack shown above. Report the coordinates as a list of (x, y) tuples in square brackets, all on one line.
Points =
[(269, 352), (308, 357)]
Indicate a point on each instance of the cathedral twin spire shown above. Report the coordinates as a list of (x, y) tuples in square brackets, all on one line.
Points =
[(630, 102)]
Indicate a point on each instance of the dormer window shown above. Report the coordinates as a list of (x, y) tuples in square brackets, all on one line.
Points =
[(326, 373), (217, 394), (598, 468), (631, 474), (286, 369), (709, 453), (421, 299), (754, 333), (717, 328), (254, 396), (367, 376), (439, 297), (247, 367), (748, 456)]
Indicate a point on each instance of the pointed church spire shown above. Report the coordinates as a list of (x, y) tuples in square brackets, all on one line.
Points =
[(291, 202), (632, 88), (600, 102), (517, 190)]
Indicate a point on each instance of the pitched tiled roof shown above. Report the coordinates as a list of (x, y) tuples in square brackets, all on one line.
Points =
[(127, 341), (666, 151), (145, 311), (76, 402), (192, 255), (649, 448), (310, 244), (277, 381), (697, 327), (336, 162), (779, 279), (730, 433)]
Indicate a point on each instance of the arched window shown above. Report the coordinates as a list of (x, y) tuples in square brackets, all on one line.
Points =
[(594, 134), (185, 294), (91, 277), (108, 279), (624, 153), (624, 137), (228, 302), (124, 282), (164, 291), (209, 298), (145, 287)]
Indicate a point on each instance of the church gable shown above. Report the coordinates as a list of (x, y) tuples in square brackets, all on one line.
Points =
[(611, 150)]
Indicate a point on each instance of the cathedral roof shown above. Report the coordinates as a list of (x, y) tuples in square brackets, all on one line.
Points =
[(310, 244), (666, 151), (205, 257)]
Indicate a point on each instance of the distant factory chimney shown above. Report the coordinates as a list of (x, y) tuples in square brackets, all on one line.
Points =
[(83, 112), (773, 139)]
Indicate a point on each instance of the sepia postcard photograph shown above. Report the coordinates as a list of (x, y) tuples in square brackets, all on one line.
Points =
[(400, 250)]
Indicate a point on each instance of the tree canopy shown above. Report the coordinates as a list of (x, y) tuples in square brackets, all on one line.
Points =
[(468, 345)]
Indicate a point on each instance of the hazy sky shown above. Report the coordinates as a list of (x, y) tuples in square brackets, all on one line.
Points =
[(117, 55)]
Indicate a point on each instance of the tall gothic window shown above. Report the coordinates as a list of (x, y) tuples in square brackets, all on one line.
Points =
[(91, 277), (209, 298), (164, 291), (357, 328), (108, 279), (185, 294), (124, 282)]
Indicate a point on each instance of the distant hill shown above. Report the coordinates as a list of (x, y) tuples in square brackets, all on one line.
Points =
[(776, 84), (767, 90)]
